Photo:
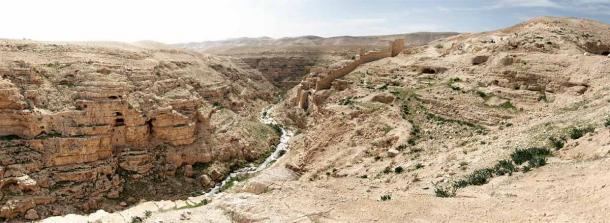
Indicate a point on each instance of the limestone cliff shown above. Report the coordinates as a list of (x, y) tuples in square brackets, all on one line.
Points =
[(91, 125)]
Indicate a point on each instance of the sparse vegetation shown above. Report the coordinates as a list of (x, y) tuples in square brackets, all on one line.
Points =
[(504, 167), (346, 101), (508, 105), (444, 190), (557, 143), (399, 169), (521, 156), (191, 205), (607, 123), (9, 137), (578, 132), (386, 197)]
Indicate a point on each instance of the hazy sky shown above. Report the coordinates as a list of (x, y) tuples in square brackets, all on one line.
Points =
[(190, 20)]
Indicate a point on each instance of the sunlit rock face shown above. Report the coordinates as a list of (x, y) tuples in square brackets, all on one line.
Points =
[(90, 126)]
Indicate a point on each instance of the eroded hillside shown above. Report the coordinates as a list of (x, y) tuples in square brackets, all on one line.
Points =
[(433, 135), (87, 126), (508, 125)]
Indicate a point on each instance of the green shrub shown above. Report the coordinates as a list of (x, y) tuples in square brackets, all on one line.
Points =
[(482, 94), (445, 191), (480, 176), (9, 137), (537, 162), (504, 167), (346, 101), (419, 166), (508, 105), (387, 170), (386, 197), (607, 123), (521, 156), (557, 143), (399, 169), (460, 183), (136, 219), (577, 133)]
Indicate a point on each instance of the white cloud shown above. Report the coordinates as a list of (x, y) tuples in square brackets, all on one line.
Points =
[(527, 3)]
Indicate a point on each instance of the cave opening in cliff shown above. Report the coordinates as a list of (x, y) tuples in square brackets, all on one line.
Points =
[(606, 53), (119, 122), (149, 123), (113, 97), (118, 114)]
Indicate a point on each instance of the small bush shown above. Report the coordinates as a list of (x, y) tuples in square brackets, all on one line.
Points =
[(607, 123), (480, 176), (386, 197), (387, 170), (508, 105), (9, 137), (537, 162), (557, 143), (136, 219), (445, 191), (399, 169), (147, 214), (504, 167), (460, 183), (577, 133), (419, 166), (482, 94), (346, 101), (521, 156)]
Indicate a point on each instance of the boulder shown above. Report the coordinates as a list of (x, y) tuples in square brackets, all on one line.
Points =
[(385, 98), (31, 214)]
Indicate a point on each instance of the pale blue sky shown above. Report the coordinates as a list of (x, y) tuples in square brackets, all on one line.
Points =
[(173, 21)]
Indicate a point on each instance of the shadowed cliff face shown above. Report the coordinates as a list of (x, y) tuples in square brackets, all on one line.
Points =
[(88, 126)]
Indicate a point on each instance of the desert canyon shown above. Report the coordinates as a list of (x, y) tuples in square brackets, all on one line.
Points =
[(510, 125)]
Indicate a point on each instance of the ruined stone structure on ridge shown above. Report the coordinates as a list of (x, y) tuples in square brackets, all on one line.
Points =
[(320, 79)]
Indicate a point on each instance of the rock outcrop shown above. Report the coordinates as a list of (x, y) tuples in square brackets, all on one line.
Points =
[(89, 126)]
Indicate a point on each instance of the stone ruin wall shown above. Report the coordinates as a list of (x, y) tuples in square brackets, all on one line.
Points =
[(320, 79)]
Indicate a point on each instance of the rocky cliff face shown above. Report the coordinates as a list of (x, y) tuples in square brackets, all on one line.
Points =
[(88, 126)]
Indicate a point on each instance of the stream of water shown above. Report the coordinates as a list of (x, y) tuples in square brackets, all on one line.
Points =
[(281, 148)]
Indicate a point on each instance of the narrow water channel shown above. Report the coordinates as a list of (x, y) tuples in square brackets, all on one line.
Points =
[(281, 148)]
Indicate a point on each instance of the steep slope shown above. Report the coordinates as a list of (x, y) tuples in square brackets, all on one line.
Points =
[(85, 126)]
